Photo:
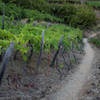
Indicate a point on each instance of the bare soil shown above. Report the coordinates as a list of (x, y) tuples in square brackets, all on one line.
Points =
[(21, 83)]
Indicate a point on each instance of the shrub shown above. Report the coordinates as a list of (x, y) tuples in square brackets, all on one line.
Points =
[(95, 41), (12, 10), (63, 10), (40, 5), (84, 17), (1, 7), (36, 15), (77, 16)]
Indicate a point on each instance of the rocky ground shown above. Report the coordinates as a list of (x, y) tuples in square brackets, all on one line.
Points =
[(21, 83)]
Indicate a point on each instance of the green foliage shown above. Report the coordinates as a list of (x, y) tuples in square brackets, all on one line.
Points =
[(1, 7), (95, 41), (36, 15), (40, 5), (84, 17), (61, 66), (33, 34), (5, 39), (92, 3), (11, 25), (95, 4), (77, 16), (12, 10)]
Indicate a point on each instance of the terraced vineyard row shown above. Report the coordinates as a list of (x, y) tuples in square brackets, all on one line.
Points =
[(36, 38)]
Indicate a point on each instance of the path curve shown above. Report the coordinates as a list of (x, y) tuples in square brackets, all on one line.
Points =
[(71, 90)]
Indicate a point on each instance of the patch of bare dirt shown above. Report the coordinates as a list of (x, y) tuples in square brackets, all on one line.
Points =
[(21, 83)]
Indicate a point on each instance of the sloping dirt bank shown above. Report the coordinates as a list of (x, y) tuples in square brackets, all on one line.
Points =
[(21, 83)]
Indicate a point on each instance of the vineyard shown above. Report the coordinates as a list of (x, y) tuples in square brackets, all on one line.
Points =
[(40, 47), (29, 37), (54, 46), (92, 3)]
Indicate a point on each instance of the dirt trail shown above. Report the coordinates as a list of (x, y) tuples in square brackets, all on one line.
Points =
[(70, 90)]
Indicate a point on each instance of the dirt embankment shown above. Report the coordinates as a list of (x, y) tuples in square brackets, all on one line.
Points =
[(20, 83)]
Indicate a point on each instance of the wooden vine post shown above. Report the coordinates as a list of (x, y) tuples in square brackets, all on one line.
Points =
[(57, 52), (40, 55), (5, 60)]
